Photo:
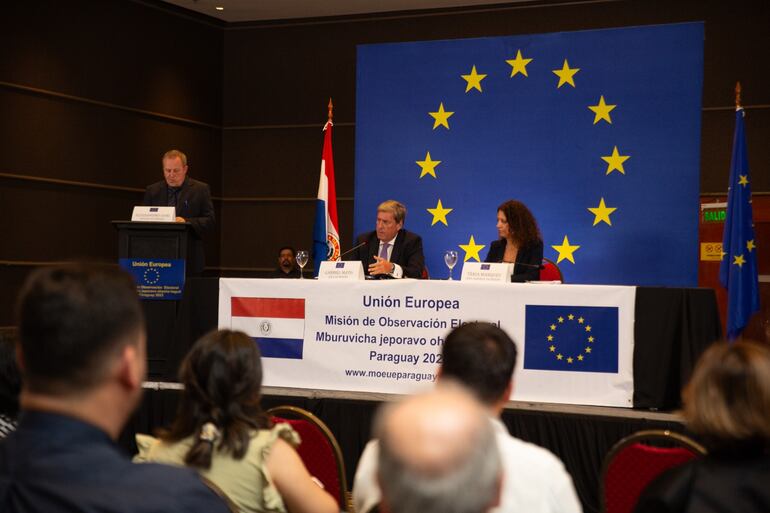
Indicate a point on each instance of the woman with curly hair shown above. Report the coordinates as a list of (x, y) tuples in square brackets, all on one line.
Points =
[(221, 431), (520, 242)]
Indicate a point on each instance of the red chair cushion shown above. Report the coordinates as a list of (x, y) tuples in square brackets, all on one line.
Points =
[(317, 454), (633, 468), (549, 272)]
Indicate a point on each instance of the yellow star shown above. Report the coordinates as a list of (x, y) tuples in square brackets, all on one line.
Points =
[(566, 251), (588, 349), (550, 338), (602, 213), (588, 328), (519, 64), (739, 261), (750, 245), (569, 359), (580, 320), (552, 349), (615, 161), (474, 80), (441, 117), (722, 255), (744, 180), (590, 339), (561, 319), (428, 166), (570, 317), (472, 250), (559, 356), (580, 357), (566, 74), (602, 111), (439, 213), (553, 327)]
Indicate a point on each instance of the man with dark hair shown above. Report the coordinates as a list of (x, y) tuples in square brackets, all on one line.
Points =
[(287, 264), (482, 357), (82, 355)]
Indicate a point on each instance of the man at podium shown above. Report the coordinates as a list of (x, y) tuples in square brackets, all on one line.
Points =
[(191, 198)]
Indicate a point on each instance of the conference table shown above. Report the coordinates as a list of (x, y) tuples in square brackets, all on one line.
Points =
[(669, 327)]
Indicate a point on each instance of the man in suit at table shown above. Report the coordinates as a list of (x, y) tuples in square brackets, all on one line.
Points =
[(390, 251), (191, 198)]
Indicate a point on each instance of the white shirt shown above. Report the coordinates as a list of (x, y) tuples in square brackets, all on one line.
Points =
[(398, 272), (534, 480)]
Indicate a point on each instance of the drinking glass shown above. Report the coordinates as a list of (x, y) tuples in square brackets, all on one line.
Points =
[(302, 257), (450, 259)]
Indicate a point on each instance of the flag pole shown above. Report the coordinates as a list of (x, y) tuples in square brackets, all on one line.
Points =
[(331, 107), (737, 98)]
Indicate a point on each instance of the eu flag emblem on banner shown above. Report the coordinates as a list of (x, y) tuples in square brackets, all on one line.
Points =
[(571, 338), (738, 270), (277, 325), (597, 132)]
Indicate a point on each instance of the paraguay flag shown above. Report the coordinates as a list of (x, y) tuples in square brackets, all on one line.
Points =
[(277, 325), (326, 239)]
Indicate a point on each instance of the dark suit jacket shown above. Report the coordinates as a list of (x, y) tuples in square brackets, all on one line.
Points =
[(407, 252), (194, 204), (531, 255)]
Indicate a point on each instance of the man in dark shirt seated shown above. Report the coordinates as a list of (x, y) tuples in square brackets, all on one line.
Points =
[(82, 353), (287, 264)]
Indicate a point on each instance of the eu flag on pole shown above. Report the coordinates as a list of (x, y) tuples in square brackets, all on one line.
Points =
[(326, 239), (596, 131), (571, 338), (738, 270)]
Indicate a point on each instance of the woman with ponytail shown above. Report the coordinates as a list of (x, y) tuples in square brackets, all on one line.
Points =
[(221, 430)]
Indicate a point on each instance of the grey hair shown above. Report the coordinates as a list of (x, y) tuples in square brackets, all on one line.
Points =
[(469, 485)]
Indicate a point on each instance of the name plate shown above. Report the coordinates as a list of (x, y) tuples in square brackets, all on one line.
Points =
[(476, 271), (154, 214), (349, 271)]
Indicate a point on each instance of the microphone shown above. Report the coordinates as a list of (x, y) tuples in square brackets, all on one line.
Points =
[(364, 243), (531, 266)]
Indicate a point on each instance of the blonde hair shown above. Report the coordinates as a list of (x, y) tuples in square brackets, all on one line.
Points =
[(172, 154), (394, 207), (728, 398)]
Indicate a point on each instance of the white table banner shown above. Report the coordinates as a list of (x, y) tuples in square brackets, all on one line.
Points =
[(575, 342)]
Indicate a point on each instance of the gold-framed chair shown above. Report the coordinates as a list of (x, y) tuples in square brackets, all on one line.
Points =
[(319, 451), (636, 460)]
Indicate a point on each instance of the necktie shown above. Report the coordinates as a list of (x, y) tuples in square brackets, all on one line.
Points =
[(172, 196), (384, 251)]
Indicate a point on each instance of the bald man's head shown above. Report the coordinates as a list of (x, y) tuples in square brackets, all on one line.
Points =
[(438, 453)]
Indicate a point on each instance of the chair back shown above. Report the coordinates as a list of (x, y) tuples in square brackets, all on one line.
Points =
[(550, 271), (632, 464), (318, 450)]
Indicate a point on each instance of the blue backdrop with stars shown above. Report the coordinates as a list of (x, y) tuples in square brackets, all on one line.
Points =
[(596, 131)]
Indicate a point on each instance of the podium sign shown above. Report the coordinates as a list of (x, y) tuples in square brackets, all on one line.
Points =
[(157, 279), (154, 214)]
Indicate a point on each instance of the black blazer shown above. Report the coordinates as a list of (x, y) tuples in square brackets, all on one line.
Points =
[(194, 204), (407, 252), (531, 255)]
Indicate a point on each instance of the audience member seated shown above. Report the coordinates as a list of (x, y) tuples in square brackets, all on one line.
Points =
[(222, 432), (10, 383), (437, 455), (727, 404), (287, 264), (82, 355), (481, 357)]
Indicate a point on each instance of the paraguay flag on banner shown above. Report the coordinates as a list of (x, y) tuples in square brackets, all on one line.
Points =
[(326, 239), (277, 325), (571, 338)]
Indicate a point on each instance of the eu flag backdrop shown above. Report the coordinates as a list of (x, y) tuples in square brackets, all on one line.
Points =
[(596, 131)]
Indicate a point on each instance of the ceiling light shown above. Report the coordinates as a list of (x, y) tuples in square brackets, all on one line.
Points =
[(219, 8)]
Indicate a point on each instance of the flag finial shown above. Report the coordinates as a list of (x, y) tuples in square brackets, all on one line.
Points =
[(331, 107), (737, 96)]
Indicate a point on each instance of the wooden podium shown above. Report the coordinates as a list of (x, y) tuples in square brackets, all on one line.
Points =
[(145, 240)]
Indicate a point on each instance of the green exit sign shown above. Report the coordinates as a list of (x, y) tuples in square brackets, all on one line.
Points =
[(714, 216)]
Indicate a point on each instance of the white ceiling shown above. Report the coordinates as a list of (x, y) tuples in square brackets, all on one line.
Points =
[(255, 10)]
